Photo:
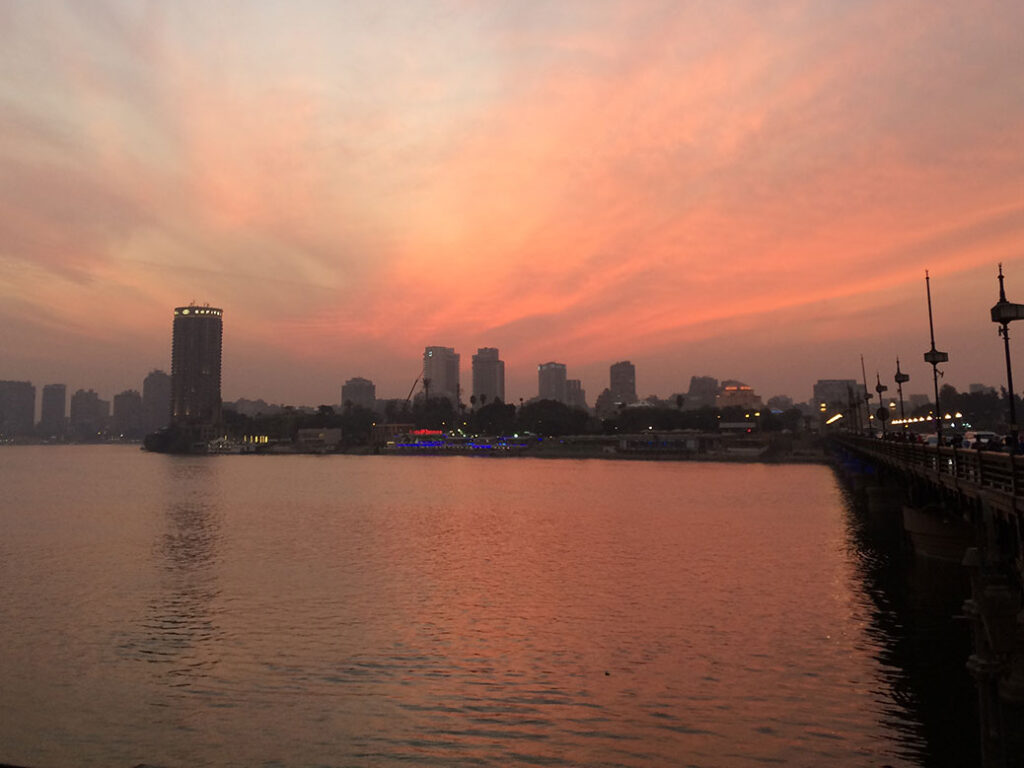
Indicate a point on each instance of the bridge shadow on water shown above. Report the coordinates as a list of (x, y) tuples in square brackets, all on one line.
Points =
[(913, 606)]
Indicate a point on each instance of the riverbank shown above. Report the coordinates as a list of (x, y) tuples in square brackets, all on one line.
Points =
[(783, 449)]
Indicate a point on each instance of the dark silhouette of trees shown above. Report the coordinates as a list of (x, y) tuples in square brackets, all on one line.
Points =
[(790, 419), (704, 419), (496, 419), (550, 417), (398, 412), (356, 425), (433, 413), (987, 410), (237, 424), (644, 418)]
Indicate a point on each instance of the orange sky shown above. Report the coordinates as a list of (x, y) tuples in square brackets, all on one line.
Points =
[(737, 189)]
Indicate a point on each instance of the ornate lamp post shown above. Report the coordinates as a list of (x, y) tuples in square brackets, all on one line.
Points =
[(882, 413), (867, 400), (901, 379), (934, 357), (1004, 313), (853, 408)]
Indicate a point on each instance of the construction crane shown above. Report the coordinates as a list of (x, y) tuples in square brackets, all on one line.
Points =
[(413, 388)]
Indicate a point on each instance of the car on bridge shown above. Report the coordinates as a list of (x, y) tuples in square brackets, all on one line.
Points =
[(983, 440)]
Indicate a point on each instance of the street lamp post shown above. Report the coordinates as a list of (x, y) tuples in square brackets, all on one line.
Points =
[(1005, 313), (934, 357), (867, 399), (853, 408), (882, 413), (901, 379)]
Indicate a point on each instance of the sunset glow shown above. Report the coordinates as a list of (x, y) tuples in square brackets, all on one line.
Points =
[(735, 189)]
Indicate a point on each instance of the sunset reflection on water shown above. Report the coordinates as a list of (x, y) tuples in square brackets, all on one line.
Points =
[(445, 611)]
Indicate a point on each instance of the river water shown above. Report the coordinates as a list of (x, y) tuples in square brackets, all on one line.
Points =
[(384, 611)]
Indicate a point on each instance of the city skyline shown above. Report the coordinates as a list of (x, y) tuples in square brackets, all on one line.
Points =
[(361, 391), (741, 191), (440, 369)]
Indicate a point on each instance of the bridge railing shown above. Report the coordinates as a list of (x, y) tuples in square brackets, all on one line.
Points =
[(990, 470)]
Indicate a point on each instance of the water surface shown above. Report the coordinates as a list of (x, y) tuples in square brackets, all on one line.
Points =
[(292, 611)]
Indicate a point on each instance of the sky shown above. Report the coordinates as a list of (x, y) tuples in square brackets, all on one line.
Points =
[(741, 189)]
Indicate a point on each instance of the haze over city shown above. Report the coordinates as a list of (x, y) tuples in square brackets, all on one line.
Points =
[(728, 189)]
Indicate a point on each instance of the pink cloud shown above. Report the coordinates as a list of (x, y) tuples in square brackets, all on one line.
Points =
[(577, 182)]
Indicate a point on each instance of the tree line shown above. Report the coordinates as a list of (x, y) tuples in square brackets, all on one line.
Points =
[(539, 417)]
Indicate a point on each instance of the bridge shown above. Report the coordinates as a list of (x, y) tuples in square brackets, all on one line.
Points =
[(966, 505), (975, 476)]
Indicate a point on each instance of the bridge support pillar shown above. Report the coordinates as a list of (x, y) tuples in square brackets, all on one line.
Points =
[(969, 500), (884, 508), (997, 663)]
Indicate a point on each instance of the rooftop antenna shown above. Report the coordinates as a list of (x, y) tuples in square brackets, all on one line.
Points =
[(934, 357)]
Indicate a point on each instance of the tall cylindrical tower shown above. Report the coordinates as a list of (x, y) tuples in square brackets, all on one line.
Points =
[(195, 366)]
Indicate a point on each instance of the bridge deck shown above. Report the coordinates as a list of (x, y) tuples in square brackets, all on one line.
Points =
[(996, 477)]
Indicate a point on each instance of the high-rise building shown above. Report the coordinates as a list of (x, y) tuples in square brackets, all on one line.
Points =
[(551, 381), (53, 411), (17, 408), (575, 395), (702, 393), (623, 382), (359, 392), (441, 373), (195, 366), (127, 419), (488, 376), (156, 401), (89, 414)]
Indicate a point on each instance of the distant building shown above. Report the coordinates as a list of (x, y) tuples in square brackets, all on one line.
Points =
[(127, 418), (833, 396), (156, 401), (441, 373), (17, 408), (360, 392), (780, 403), (195, 366), (317, 440), (488, 376), (981, 389), (551, 381), (575, 396), (623, 382), (89, 415), (703, 393), (605, 406), (53, 414), (918, 401), (260, 407), (737, 394)]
